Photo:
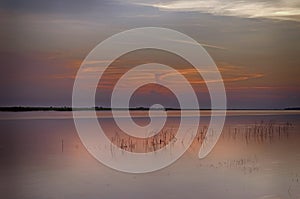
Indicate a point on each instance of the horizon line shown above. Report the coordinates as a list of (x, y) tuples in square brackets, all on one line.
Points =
[(100, 108)]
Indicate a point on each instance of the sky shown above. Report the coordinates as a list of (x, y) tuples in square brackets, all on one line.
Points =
[(255, 44)]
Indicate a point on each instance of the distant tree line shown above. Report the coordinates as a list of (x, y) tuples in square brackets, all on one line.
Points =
[(65, 108)]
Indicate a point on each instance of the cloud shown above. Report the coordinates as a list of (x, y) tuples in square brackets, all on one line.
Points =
[(229, 73), (281, 9), (203, 44)]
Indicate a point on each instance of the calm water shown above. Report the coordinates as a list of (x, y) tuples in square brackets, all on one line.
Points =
[(257, 156)]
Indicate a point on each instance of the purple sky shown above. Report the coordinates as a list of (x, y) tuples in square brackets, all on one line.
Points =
[(43, 44)]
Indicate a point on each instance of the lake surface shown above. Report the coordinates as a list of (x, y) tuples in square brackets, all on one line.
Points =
[(257, 156)]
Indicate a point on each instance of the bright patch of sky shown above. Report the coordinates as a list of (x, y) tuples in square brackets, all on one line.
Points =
[(282, 9)]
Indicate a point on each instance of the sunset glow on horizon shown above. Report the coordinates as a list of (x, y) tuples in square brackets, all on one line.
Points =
[(150, 99), (255, 45)]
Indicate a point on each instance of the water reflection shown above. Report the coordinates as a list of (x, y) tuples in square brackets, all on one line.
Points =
[(258, 155)]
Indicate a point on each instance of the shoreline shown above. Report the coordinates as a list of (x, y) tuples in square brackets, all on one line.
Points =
[(68, 109)]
